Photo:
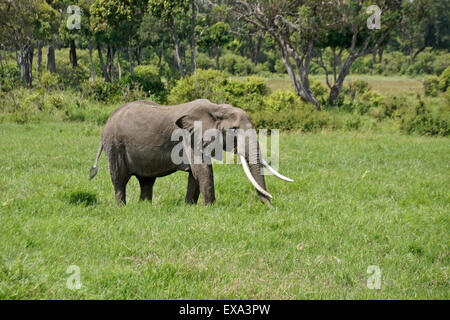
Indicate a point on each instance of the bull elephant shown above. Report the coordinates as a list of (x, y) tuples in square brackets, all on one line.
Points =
[(137, 140)]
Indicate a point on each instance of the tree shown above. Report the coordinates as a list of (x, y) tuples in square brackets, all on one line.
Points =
[(169, 11), (299, 28), (215, 37), (424, 23), (115, 23), (23, 22)]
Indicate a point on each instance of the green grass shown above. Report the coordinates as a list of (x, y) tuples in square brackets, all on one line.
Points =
[(358, 200)]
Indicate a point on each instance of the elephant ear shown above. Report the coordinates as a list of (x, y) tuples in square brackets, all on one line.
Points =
[(208, 119), (186, 122)]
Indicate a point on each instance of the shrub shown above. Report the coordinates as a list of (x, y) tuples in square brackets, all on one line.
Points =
[(357, 88), (305, 119), (282, 100), (215, 86), (431, 85), (203, 61), (50, 81), (10, 78), (444, 80), (147, 78), (319, 90), (203, 84), (246, 94), (100, 90), (236, 65), (279, 66), (421, 120)]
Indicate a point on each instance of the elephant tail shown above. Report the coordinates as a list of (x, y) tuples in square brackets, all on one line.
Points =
[(94, 168)]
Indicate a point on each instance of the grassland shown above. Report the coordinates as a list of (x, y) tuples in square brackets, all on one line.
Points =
[(392, 85), (359, 199)]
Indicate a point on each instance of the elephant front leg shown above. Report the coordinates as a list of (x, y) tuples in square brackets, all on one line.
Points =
[(203, 174), (193, 190), (146, 185)]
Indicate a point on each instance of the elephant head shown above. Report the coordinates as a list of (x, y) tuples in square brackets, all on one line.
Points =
[(234, 122)]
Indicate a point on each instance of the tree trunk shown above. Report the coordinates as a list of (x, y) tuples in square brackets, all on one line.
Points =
[(4, 52), (159, 52), (119, 67), (217, 51), (73, 54), (3, 70), (193, 40), (51, 64), (102, 63), (177, 49), (254, 49), (110, 62), (302, 87), (91, 61), (39, 57), (138, 56), (130, 55), (26, 64), (336, 89), (380, 54)]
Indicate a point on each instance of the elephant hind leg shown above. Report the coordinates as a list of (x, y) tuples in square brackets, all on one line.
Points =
[(146, 187), (193, 190), (118, 170), (120, 190)]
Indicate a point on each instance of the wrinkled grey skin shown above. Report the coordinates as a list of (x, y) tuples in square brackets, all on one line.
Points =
[(137, 142)]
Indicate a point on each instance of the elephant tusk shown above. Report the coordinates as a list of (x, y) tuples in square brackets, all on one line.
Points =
[(275, 172), (250, 177)]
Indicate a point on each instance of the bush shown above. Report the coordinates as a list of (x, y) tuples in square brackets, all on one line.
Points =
[(100, 90), (236, 65), (444, 80), (431, 85), (215, 86), (319, 90), (10, 78), (147, 77), (204, 84), (203, 61), (282, 100), (50, 81), (421, 120), (305, 119)]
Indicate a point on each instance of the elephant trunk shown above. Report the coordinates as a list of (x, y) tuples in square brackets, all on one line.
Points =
[(252, 165)]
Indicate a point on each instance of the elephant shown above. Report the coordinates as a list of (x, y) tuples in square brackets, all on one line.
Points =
[(137, 140)]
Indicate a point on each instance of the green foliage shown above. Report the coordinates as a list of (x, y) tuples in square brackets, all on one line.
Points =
[(10, 78), (124, 90), (283, 100), (216, 35), (100, 90), (444, 81), (204, 84), (215, 86), (431, 85), (304, 118), (205, 62), (50, 81), (420, 119), (148, 78), (236, 64)]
